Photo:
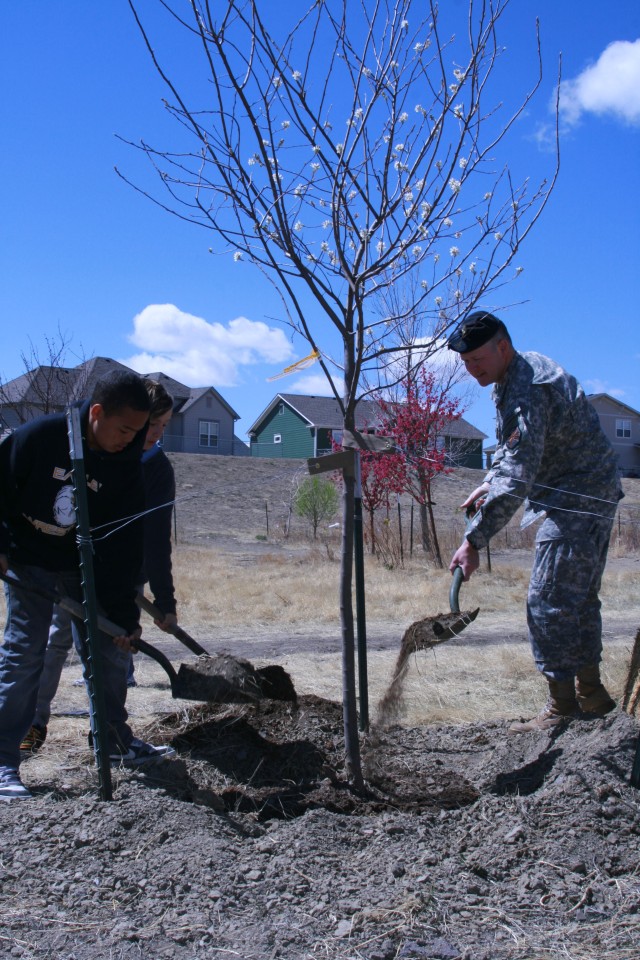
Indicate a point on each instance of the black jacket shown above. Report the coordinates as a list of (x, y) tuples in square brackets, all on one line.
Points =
[(160, 492), (37, 513)]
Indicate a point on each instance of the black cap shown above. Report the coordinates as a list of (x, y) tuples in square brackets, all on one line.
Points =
[(474, 331)]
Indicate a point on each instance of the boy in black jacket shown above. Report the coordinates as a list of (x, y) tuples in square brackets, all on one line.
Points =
[(38, 546)]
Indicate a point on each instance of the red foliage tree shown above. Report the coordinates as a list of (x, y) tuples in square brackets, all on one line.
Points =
[(416, 423)]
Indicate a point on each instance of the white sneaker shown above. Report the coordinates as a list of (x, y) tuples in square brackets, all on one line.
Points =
[(11, 786), (140, 752)]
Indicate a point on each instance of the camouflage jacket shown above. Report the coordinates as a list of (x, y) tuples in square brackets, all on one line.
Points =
[(552, 453)]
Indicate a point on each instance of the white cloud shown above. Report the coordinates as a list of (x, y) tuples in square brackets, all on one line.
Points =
[(609, 86), (601, 386), (313, 385), (198, 352)]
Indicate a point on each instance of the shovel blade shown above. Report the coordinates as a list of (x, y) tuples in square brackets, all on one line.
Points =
[(452, 624)]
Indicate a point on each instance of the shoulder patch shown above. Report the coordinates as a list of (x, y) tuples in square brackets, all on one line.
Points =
[(513, 429)]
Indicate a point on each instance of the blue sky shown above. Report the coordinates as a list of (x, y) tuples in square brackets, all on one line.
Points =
[(84, 253)]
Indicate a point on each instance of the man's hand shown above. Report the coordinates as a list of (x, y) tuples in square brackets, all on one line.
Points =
[(128, 642), (467, 558), (476, 499), (168, 623)]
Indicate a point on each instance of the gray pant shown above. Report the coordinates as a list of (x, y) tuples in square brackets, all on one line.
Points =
[(563, 606)]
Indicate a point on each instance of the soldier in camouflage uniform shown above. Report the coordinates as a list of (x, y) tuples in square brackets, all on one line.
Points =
[(553, 455)]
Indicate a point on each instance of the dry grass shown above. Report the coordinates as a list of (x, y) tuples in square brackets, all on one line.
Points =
[(228, 597)]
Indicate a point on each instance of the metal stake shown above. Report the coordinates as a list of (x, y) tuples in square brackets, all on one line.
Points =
[(95, 681)]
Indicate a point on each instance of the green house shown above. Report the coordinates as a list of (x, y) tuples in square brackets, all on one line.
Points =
[(295, 426)]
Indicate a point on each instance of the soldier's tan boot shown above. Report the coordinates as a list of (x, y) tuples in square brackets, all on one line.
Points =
[(561, 705), (593, 697)]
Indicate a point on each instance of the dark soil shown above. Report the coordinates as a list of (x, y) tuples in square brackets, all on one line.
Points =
[(466, 843)]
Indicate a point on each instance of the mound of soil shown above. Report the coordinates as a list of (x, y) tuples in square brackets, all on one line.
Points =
[(467, 844)]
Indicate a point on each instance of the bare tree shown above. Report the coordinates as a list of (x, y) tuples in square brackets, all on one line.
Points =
[(46, 386), (339, 154)]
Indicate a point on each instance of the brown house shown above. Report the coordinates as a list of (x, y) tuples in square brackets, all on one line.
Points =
[(621, 425), (202, 422)]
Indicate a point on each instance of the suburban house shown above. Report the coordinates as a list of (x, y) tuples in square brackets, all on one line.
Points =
[(202, 422), (299, 426), (620, 423)]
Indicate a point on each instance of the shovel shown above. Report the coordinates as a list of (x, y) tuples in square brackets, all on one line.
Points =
[(219, 679), (272, 681)]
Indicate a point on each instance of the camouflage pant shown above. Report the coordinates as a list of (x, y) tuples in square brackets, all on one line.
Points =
[(563, 608)]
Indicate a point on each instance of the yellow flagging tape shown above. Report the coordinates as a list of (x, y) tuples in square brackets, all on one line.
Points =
[(298, 365)]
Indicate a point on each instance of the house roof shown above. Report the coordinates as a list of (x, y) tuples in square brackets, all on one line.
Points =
[(62, 384), (325, 413), (617, 403), (198, 392)]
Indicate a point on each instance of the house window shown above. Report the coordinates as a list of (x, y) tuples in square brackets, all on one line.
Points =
[(623, 428), (277, 438), (208, 433), (281, 410)]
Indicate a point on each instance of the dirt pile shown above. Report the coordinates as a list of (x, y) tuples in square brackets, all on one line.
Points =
[(467, 845)]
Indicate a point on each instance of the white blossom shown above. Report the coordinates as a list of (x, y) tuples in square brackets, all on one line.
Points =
[(458, 74), (252, 161), (424, 284), (472, 266), (462, 163), (326, 224), (277, 82), (285, 124), (298, 226), (458, 294), (315, 148), (380, 246), (237, 256), (519, 270), (453, 87), (454, 251), (324, 246), (404, 25), (436, 257), (425, 209), (297, 75), (358, 113), (399, 147), (488, 196), (416, 251), (458, 271), (403, 117), (438, 301), (458, 111), (454, 185), (498, 236), (315, 167), (447, 222), (339, 149), (438, 164)]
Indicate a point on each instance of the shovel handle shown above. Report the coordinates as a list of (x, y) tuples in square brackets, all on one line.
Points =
[(145, 604), (457, 580), (76, 609)]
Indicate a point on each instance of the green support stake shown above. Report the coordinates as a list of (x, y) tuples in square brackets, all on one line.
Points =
[(94, 659), (635, 770)]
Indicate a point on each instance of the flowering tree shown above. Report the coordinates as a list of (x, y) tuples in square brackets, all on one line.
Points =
[(380, 480), (418, 426), (338, 149)]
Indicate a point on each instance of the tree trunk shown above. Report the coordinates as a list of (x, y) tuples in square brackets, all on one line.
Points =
[(424, 529), (437, 556)]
